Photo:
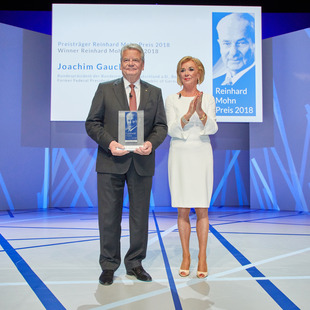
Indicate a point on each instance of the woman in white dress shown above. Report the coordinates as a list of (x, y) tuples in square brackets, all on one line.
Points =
[(191, 119)]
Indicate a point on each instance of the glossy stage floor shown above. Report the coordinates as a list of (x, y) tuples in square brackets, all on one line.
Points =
[(257, 260)]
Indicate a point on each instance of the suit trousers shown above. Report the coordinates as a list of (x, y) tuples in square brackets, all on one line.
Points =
[(110, 206)]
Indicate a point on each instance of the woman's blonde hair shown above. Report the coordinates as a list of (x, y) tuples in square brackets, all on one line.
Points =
[(199, 65)]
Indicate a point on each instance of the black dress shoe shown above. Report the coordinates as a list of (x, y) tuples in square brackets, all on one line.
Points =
[(140, 274), (106, 277)]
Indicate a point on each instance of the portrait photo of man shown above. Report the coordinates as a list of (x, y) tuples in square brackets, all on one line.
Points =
[(131, 130), (234, 70), (235, 51)]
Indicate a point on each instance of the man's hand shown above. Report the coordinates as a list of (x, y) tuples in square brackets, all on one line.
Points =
[(146, 149), (117, 149)]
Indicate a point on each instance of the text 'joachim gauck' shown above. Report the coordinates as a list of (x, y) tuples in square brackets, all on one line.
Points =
[(87, 67)]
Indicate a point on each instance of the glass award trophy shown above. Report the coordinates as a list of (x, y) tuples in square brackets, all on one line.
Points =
[(131, 129)]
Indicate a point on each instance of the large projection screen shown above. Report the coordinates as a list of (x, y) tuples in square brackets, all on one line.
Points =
[(87, 39)]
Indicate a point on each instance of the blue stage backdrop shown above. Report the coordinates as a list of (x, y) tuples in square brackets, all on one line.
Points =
[(43, 165), (279, 147)]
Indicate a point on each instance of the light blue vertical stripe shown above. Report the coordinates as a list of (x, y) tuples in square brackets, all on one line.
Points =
[(256, 187), (270, 178), (224, 178), (301, 203), (46, 177), (224, 188), (6, 193), (306, 148), (283, 170), (239, 182), (268, 201), (56, 159), (263, 180)]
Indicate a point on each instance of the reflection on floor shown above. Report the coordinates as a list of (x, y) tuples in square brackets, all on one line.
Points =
[(257, 259)]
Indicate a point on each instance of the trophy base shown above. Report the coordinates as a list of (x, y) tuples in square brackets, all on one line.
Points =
[(130, 148)]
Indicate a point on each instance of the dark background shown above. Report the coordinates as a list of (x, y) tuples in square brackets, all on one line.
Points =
[(267, 6)]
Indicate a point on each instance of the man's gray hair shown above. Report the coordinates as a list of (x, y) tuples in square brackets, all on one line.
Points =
[(237, 17), (132, 46)]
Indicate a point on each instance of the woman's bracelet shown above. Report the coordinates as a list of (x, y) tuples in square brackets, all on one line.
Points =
[(204, 116), (184, 120)]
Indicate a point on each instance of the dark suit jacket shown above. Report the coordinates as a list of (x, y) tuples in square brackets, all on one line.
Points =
[(102, 126)]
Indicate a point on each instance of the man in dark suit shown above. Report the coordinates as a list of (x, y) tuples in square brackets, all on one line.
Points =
[(115, 165)]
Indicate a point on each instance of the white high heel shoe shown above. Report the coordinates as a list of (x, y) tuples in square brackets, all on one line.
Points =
[(202, 274), (184, 272)]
